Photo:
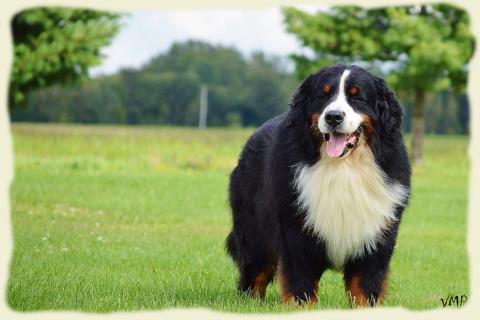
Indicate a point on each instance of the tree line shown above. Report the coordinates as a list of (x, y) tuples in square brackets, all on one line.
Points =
[(241, 91), (422, 50), (166, 90)]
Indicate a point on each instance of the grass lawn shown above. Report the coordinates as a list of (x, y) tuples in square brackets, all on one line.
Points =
[(111, 218)]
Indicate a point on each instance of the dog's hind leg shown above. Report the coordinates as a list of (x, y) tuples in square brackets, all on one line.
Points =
[(257, 268), (255, 277)]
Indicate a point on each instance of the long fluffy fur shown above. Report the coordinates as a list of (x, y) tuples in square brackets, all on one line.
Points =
[(298, 212), (355, 184)]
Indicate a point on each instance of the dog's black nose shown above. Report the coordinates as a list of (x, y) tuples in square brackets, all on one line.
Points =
[(334, 117)]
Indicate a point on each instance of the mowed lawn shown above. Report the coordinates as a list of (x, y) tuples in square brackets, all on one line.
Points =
[(112, 218)]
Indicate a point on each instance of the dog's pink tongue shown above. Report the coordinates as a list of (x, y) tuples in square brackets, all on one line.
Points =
[(336, 145)]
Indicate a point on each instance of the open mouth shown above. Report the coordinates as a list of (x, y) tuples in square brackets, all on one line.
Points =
[(338, 144)]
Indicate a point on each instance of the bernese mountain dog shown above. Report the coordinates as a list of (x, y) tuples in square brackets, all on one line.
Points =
[(322, 186)]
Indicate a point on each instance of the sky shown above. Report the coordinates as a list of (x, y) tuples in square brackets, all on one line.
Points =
[(146, 34)]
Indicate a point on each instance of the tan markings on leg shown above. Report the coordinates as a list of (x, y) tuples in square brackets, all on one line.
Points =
[(355, 292), (358, 297), (261, 282), (287, 296), (263, 278)]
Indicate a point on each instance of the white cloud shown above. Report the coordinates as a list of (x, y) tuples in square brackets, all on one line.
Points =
[(146, 34)]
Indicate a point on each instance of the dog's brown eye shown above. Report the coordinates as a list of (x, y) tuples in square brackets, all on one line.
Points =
[(326, 88), (353, 91)]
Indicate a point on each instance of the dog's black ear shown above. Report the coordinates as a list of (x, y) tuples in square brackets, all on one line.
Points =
[(300, 101), (387, 107), (302, 94)]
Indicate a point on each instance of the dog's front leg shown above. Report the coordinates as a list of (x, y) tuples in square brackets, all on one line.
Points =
[(366, 282), (298, 276)]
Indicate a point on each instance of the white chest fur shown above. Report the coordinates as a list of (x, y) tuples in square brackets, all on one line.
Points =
[(347, 202)]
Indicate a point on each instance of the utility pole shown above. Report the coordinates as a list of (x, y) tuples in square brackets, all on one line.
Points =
[(202, 117)]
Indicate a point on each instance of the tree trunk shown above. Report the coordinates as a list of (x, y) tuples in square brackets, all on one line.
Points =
[(418, 127)]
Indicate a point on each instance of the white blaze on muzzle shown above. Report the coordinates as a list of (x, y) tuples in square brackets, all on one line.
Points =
[(342, 135)]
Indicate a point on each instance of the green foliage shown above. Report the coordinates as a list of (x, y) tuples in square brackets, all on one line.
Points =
[(56, 45), (422, 49), (246, 91), (111, 218), (427, 47), (241, 91)]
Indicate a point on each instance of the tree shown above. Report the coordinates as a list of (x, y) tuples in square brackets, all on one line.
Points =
[(165, 90), (426, 48), (265, 93), (246, 91), (56, 45)]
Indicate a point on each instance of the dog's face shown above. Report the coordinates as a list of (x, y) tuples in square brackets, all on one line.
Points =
[(347, 103)]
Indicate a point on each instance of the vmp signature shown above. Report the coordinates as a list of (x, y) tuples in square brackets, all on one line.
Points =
[(454, 300)]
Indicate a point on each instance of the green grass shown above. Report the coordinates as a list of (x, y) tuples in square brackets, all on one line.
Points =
[(109, 218)]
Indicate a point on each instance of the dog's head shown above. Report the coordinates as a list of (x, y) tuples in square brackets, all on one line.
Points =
[(343, 104)]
